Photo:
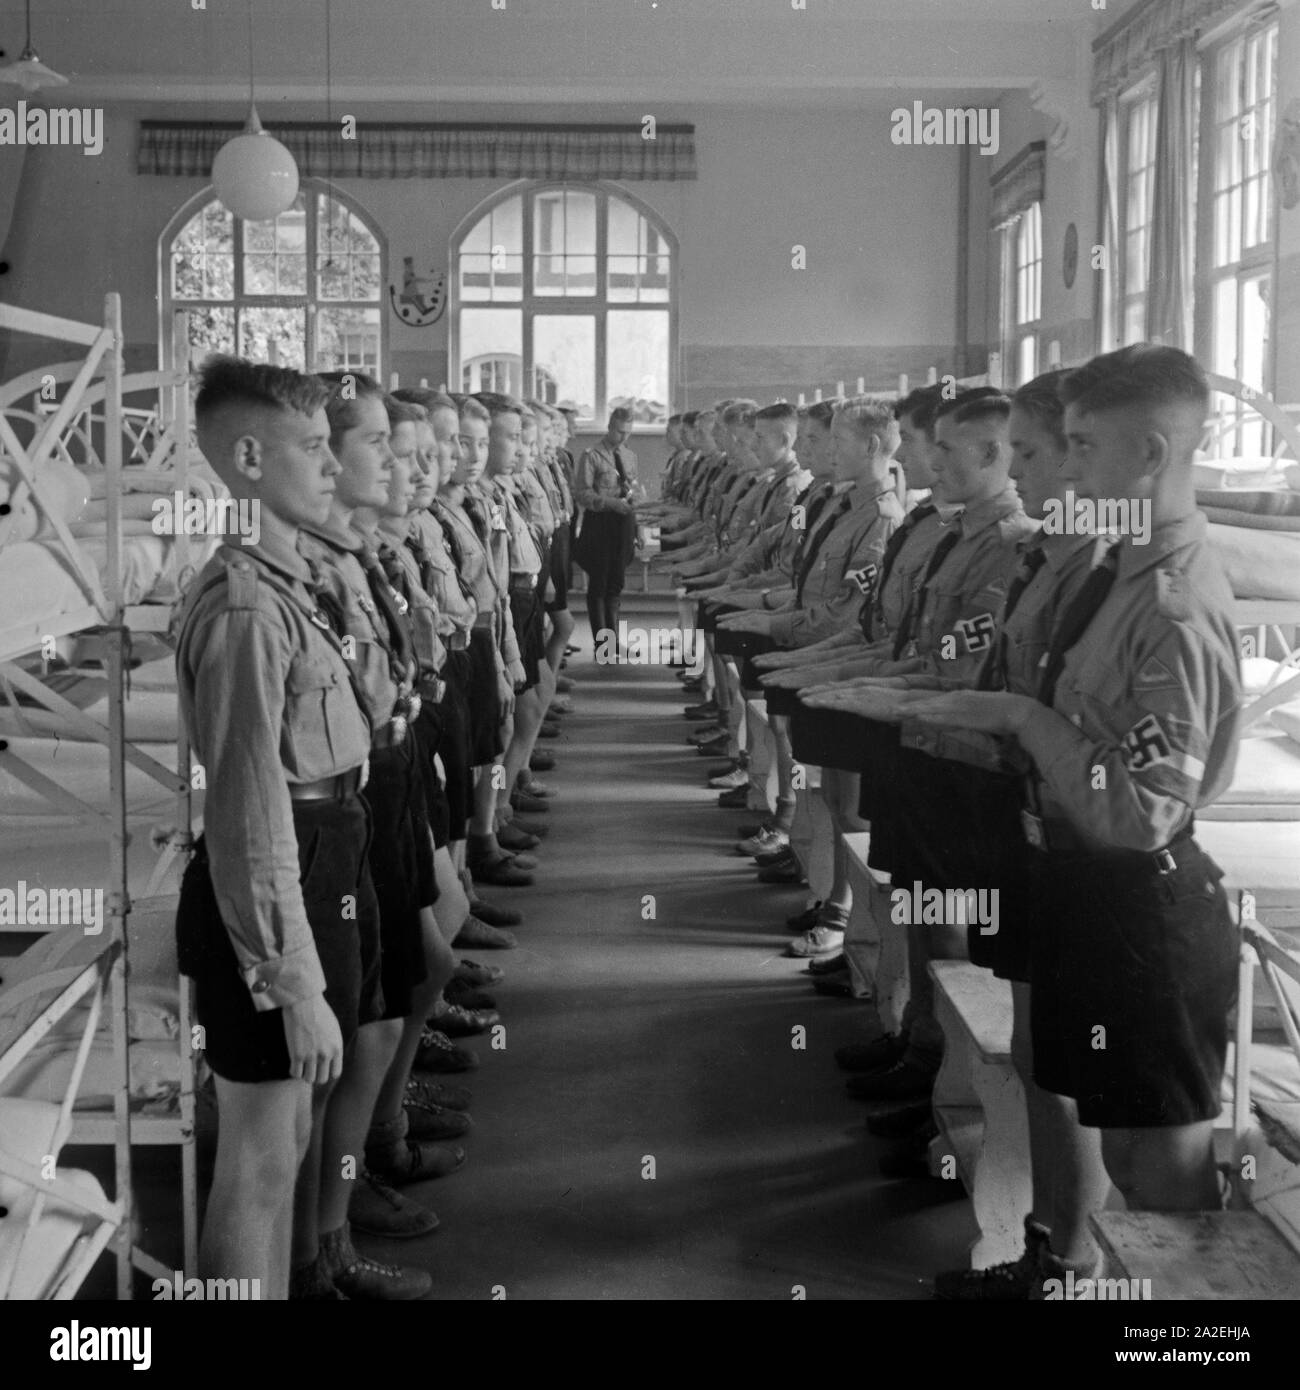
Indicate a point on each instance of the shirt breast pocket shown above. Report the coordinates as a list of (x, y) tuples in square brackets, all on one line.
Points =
[(322, 724)]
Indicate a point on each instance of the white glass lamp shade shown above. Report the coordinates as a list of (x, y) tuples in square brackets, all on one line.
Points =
[(254, 175)]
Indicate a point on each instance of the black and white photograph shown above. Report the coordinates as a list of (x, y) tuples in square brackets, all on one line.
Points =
[(650, 651)]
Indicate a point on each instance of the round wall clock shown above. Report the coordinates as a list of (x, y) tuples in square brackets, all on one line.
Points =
[(1070, 260)]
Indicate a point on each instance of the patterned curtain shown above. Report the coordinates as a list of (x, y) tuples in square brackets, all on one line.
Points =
[(185, 149), (1173, 212)]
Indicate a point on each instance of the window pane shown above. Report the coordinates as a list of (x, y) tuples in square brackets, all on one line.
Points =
[(1028, 358), (492, 350), (347, 340), (1135, 322), (564, 357), (275, 253), (210, 330), (624, 229), (277, 336), (636, 362), (203, 261), (1225, 327), (621, 278)]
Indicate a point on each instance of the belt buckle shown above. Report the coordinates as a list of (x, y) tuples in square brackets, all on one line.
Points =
[(1035, 831), (439, 690), (413, 705), (1165, 862), (397, 727)]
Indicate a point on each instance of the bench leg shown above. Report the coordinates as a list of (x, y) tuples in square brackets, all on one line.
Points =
[(1003, 1191)]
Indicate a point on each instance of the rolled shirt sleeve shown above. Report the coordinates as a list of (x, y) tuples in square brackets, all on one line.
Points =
[(239, 681)]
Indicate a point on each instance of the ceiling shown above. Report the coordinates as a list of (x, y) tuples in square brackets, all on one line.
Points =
[(651, 54)]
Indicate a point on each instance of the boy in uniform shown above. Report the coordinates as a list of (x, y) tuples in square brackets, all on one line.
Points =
[(283, 975)]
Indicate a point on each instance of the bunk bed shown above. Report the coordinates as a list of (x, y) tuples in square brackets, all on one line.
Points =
[(107, 586)]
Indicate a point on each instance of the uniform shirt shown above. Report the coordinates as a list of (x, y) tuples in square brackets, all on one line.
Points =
[(1153, 691), (844, 570), (951, 619), (597, 481), (534, 504), (739, 506), (456, 608), (524, 556), (480, 574), (1020, 647), (768, 559), (267, 699), (422, 614), (339, 558), (562, 500), (710, 466)]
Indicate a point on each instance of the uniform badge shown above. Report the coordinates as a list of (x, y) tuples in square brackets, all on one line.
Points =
[(1145, 745), (496, 519), (865, 578), (977, 632)]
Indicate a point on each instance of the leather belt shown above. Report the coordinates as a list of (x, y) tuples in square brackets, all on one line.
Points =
[(1052, 836), (523, 583), (456, 641), (486, 622), (338, 788)]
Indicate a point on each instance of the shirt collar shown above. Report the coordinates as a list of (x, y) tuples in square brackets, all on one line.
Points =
[(1164, 540), (1059, 547), (275, 553), (340, 537), (990, 511)]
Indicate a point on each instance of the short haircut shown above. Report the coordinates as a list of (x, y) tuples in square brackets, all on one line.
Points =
[(497, 405), (721, 407), (740, 412), (402, 412), (1040, 399), (471, 409), (225, 380), (346, 392), (979, 403), (824, 411), (426, 396), (781, 410), (869, 415), (1142, 374), (689, 418), (674, 419), (919, 406), (620, 415)]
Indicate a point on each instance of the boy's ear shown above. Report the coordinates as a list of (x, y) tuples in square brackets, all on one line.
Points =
[(247, 450)]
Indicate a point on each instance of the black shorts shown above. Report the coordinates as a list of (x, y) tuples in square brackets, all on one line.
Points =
[(958, 827), (431, 737), (1134, 973), (454, 746), (246, 1045), (526, 614), (401, 866), (830, 738), (483, 699), (561, 543), (876, 791)]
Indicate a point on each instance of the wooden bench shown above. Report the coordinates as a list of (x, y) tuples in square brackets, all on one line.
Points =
[(979, 1107)]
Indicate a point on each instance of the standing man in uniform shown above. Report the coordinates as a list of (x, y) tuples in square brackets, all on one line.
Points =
[(606, 488), (1135, 725)]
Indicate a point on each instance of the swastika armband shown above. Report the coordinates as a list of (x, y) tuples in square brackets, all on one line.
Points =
[(977, 632), (865, 578), (1145, 745)]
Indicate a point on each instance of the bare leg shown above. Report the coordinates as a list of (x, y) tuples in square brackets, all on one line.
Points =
[(348, 1117), (260, 1144), (306, 1194), (1164, 1169), (1069, 1179)]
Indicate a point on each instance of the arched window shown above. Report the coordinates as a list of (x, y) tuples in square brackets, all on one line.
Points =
[(303, 291), (566, 293)]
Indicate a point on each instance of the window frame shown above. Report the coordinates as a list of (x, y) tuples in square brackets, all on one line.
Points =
[(1013, 331), (1124, 295), (598, 305), (1257, 261), (310, 189)]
